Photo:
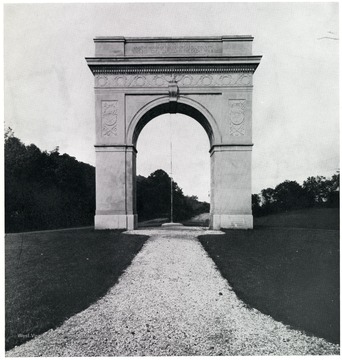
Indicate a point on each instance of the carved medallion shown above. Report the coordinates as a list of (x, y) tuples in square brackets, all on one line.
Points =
[(109, 118), (237, 117)]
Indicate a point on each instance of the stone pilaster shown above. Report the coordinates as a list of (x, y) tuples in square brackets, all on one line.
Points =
[(115, 187), (231, 187)]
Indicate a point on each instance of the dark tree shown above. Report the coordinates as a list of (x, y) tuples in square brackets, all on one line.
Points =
[(256, 205), (268, 200), (333, 198), (154, 199), (289, 195), (45, 190), (316, 190)]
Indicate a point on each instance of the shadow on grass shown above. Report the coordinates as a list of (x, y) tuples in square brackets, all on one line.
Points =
[(52, 276), (290, 274)]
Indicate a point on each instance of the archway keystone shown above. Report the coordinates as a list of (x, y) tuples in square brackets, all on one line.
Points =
[(207, 78)]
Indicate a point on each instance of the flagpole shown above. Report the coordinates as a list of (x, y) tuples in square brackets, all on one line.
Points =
[(171, 179)]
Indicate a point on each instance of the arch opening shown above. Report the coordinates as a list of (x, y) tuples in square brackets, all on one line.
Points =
[(190, 168)]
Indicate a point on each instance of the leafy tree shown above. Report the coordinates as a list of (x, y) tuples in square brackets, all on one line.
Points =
[(289, 195), (333, 198), (154, 198), (335, 182), (316, 190), (45, 190), (267, 196), (256, 205), (198, 207), (268, 200)]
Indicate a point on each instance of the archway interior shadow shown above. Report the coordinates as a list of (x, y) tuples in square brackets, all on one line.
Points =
[(165, 108)]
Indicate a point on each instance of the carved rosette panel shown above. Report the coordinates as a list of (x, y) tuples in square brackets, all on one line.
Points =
[(109, 116), (237, 110), (182, 80)]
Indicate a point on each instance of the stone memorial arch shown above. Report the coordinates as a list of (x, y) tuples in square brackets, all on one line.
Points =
[(207, 78)]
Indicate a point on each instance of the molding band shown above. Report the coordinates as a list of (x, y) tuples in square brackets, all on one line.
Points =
[(172, 69), (113, 148), (230, 147)]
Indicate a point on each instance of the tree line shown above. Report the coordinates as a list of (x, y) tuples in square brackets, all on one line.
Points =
[(45, 190), (154, 199), (49, 190), (316, 191)]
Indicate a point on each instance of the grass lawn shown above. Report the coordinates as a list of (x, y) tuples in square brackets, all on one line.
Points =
[(288, 273), (54, 275), (309, 219)]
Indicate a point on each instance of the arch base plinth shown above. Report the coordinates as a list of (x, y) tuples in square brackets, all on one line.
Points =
[(127, 222), (226, 221), (172, 225)]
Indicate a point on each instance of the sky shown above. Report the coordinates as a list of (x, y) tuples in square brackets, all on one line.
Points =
[(49, 96)]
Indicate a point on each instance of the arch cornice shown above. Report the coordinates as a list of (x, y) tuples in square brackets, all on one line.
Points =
[(100, 66), (184, 105)]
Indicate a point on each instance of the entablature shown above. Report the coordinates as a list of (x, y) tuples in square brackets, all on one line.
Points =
[(225, 54)]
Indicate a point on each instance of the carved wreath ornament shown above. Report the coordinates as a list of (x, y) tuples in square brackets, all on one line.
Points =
[(109, 118), (183, 80), (237, 117)]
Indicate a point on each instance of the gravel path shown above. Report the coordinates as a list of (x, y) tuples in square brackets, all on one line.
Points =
[(172, 301)]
